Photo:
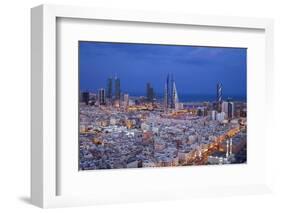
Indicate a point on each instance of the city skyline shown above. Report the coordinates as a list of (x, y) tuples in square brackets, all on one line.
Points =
[(113, 89), (134, 81), (145, 106)]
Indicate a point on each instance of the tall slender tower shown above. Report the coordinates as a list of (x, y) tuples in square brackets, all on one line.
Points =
[(175, 97), (101, 96), (165, 98), (230, 109), (117, 89), (172, 82), (109, 88), (219, 97), (166, 93)]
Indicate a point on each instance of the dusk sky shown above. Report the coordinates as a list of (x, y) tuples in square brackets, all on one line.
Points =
[(196, 70)]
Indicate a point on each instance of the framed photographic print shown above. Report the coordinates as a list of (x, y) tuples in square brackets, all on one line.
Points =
[(149, 106)]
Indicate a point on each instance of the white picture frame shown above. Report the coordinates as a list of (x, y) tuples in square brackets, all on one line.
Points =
[(44, 153)]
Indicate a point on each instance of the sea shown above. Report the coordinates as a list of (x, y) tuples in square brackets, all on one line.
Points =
[(199, 97)]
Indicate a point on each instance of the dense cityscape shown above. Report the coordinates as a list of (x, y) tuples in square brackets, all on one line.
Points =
[(121, 130)]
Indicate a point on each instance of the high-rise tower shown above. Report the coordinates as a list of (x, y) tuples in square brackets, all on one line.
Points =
[(165, 98), (230, 109), (117, 89), (109, 88), (101, 96), (175, 97), (167, 94), (149, 93), (219, 97), (172, 82)]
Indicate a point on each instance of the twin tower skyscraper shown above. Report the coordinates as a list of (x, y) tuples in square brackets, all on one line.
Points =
[(171, 99), (117, 88)]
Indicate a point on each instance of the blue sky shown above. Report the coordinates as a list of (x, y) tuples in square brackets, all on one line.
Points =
[(196, 70)]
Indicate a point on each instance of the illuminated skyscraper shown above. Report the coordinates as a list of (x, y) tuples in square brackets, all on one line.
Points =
[(219, 97), (168, 90), (175, 98), (149, 93), (228, 108), (171, 84), (109, 88), (102, 96), (166, 94), (117, 89)]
